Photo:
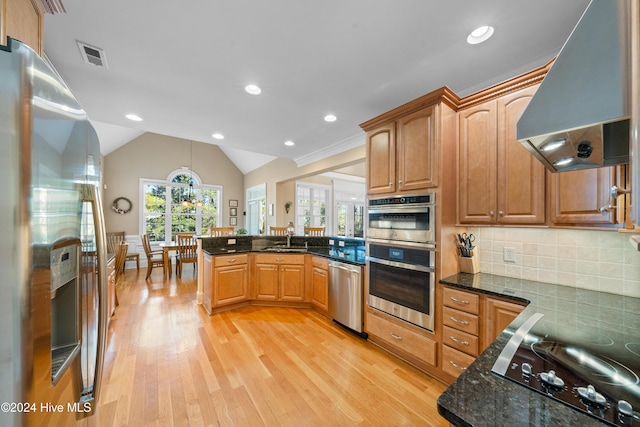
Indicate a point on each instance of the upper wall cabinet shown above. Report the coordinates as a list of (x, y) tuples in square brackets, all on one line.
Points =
[(499, 181), (22, 20), (403, 145), (584, 197)]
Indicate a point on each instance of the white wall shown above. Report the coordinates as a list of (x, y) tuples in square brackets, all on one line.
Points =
[(596, 260)]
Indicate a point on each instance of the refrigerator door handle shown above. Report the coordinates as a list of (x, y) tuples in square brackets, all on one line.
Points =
[(91, 194)]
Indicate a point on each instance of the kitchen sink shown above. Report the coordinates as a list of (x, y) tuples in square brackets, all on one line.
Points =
[(284, 249)]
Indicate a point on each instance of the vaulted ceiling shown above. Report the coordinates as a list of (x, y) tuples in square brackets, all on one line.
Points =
[(183, 66)]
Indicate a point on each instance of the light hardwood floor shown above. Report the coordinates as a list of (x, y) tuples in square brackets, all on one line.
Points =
[(169, 363)]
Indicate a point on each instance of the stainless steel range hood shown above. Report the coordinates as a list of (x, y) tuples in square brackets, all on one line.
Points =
[(579, 116)]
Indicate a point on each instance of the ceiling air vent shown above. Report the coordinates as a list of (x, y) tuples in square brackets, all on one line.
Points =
[(93, 55), (53, 6)]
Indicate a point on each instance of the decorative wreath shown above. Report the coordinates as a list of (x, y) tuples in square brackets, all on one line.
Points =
[(119, 210)]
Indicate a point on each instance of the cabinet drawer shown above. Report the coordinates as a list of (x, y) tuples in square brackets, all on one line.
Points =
[(402, 338), (460, 320), (455, 362), (319, 262), (220, 261), (279, 259), (461, 300), (460, 340)]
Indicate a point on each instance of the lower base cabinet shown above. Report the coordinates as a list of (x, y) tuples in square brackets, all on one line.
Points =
[(320, 283), (412, 346), (226, 280), (279, 277), (471, 322)]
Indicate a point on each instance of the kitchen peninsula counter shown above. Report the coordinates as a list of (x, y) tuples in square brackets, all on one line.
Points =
[(352, 250), (481, 398)]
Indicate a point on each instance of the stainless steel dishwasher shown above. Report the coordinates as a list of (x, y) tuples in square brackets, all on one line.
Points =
[(346, 295)]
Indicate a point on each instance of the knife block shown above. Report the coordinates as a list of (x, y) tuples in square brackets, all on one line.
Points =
[(469, 264)]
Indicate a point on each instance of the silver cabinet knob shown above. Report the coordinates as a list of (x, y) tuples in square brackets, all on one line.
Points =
[(501, 213), (625, 408), (491, 213)]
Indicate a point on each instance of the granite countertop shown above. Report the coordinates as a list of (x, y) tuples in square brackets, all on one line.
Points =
[(352, 252), (481, 398)]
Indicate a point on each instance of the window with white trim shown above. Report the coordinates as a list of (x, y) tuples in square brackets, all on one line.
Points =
[(162, 214), (311, 206)]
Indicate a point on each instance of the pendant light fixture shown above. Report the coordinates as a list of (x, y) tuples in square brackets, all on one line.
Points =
[(189, 201)]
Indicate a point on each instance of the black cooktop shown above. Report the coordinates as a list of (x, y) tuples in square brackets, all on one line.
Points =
[(592, 368)]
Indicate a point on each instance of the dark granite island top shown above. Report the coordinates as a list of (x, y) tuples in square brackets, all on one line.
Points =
[(481, 398)]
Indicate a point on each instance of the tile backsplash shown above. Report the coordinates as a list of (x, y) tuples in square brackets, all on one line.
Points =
[(597, 260)]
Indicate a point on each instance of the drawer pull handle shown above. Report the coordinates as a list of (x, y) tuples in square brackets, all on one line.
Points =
[(462, 322), (231, 260), (398, 337), (279, 259), (462, 368), (454, 339), (459, 301)]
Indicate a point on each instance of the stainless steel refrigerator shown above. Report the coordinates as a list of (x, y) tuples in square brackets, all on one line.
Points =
[(53, 281)]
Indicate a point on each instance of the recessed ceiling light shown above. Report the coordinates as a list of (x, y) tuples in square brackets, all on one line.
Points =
[(289, 143), (218, 136), (480, 34), (330, 118), (253, 89), (134, 117)]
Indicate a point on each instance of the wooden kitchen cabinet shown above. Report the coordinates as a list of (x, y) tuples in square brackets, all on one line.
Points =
[(226, 280), (401, 338), (22, 20), (320, 283), (470, 323), (461, 330), (498, 315), (499, 181), (401, 155), (279, 277), (403, 145), (576, 197)]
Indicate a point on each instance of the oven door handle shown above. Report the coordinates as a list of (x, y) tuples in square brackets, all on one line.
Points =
[(401, 265), (397, 210)]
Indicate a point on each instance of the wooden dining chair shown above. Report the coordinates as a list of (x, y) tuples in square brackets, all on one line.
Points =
[(221, 231), (155, 258), (115, 237), (277, 231), (314, 231), (187, 251), (120, 250)]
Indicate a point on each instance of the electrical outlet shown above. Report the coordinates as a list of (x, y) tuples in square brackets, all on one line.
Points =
[(509, 254), (231, 241)]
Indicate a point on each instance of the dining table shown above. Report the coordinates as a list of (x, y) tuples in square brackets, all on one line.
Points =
[(166, 248)]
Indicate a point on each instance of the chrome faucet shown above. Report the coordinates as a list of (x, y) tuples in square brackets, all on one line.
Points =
[(288, 240)]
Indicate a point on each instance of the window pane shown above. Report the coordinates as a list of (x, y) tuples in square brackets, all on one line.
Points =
[(182, 224)]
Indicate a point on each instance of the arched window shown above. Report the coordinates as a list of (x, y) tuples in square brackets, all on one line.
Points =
[(165, 211)]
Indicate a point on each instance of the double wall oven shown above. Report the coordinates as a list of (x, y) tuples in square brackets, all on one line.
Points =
[(401, 257)]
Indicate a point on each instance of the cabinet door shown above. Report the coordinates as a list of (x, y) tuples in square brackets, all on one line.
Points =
[(207, 283), (577, 196), (320, 288), (291, 283), (231, 284), (266, 281), (499, 314), (381, 160), (477, 164), (23, 21), (416, 150), (521, 177)]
